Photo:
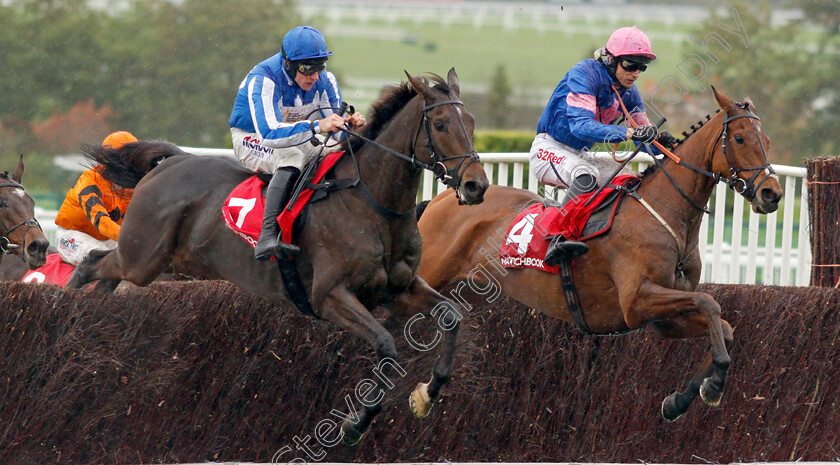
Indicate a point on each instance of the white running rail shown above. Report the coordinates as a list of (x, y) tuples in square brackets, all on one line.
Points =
[(741, 247)]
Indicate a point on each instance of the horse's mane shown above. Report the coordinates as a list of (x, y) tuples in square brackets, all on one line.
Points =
[(126, 166), (392, 100), (696, 127), (686, 134)]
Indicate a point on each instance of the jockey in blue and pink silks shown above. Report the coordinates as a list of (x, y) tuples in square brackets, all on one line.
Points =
[(282, 105), (584, 110)]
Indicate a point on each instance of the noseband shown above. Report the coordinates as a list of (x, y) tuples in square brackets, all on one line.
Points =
[(6, 245)]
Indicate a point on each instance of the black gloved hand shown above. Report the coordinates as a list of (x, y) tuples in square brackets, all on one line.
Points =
[(646, 133), (667, 140)]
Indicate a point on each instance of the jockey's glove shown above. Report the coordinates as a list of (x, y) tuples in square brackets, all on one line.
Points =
[(646, 133), (667, 140)]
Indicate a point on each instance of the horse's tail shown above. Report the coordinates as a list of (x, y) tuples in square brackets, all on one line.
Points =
[(421, 207), (126, 166)]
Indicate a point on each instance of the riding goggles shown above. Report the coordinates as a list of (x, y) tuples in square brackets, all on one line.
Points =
[(632, 66), (310, 68)]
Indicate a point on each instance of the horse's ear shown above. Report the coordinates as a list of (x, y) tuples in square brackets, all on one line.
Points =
[(18, 174), (452, 81), (748, 103), (725, 102), (420, 87)]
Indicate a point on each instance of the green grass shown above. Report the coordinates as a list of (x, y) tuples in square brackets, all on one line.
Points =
[(533, 60)]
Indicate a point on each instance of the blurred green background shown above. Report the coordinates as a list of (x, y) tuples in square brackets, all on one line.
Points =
[(73, 71)]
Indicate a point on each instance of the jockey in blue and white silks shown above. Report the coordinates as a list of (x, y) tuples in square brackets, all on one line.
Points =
[(272, 111), (282, 105), (582, 112)]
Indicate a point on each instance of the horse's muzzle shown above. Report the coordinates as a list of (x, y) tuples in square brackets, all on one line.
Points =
[(472, 191), (35, 254), (767, 200)]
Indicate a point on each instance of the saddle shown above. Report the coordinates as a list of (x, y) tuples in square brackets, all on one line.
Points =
[(244, 207), (55, 271), (528, 236)]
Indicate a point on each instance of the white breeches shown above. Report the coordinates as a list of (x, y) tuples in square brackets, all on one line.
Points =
[(74, 246), (569, 163), (257, 157)]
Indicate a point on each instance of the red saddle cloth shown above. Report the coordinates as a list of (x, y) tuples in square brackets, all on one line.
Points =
[(526, 241), (244, 207), (55, 271)]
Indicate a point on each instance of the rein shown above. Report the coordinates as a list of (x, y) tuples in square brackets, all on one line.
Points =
[(746, 188), (449, 177), (6, 245)]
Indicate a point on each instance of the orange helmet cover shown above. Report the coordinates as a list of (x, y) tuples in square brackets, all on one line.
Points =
[(118, 139)]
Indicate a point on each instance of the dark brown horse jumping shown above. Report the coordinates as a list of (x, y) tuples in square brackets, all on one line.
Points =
[(640, 273), (20, 233), (356, 257)]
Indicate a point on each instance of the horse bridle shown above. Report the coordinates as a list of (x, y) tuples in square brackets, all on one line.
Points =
[(6, 243), (746, 188), (451, 177)]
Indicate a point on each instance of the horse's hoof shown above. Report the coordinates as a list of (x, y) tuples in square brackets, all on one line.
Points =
[(670, 411), (419, 401), (351, 436), (710, 395)]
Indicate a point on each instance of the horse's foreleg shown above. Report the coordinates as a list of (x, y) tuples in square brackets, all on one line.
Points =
[(683, 314), (420, 300), (343, 308), (98, 265), (693, 326)]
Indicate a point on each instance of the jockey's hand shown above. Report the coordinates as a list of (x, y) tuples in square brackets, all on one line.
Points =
[(330, 123), (356, 120), (667, 140), (645, 133)]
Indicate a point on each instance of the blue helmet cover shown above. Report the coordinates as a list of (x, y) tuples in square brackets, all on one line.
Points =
[(305, 43)]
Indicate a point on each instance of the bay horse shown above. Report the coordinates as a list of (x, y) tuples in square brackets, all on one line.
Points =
[(639, 273), (20, 232), (358, 253)]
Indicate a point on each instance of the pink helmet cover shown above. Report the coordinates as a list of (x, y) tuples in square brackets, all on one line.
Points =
[(629, 41)]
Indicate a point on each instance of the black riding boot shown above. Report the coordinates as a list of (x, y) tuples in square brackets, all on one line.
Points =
[(560, 249), (276, 198)]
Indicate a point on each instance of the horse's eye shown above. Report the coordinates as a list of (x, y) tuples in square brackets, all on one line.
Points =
[(440, 126), (2, 204), (739, 139)]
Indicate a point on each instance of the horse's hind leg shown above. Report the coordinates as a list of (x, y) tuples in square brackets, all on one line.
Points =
[(421, 300), (98, 265), (708, 381), (343, 308)]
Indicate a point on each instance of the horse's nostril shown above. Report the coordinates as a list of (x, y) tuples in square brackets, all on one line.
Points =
[(37, 246), (769, 195), (470, 187), (475, 188)]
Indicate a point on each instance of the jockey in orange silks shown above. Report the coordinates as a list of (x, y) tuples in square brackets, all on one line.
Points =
[(92, 211)]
